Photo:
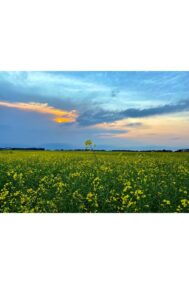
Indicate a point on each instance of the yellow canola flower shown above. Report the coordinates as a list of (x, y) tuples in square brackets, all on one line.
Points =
[(139, 192), (90, 196), (15, 176), (184, 202), (178, 209), (82, 207), (167, 202)]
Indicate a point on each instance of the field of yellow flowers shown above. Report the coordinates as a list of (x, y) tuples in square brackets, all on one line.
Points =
[(93, 182)]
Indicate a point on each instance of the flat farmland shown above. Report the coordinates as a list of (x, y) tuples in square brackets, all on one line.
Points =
[(93, 182)]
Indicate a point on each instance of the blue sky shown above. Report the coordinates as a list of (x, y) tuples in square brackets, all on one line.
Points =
[(131, 110)]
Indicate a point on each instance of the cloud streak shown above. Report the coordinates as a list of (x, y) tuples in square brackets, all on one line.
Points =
[(59, 115), (92, 117), (64, 81)]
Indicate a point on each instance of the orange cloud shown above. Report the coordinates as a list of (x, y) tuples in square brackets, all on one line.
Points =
[(63, 119), (159, 129), (60, 116)]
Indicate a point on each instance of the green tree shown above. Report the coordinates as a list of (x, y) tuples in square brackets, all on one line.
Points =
[(89, 144)]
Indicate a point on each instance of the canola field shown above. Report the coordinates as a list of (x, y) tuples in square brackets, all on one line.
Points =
[(112, 182)]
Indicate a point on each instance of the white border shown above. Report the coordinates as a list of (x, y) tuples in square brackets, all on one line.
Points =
[(94, 248), (94, 35)]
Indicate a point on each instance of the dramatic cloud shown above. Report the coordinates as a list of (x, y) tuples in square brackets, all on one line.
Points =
[(59, 116), (98, 116)]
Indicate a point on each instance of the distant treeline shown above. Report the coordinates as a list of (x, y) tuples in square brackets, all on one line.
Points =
[(84, 150), (24, 149)]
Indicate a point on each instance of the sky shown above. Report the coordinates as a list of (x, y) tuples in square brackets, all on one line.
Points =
[(116, 110)]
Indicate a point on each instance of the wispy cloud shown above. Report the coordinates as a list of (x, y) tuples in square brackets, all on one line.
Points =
[(59, 115), (60, 80)]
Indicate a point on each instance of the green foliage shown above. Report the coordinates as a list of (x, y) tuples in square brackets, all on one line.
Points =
[(89, 145), (75, 182)]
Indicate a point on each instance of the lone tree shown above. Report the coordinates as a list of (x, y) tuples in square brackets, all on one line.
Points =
[(89, 145)]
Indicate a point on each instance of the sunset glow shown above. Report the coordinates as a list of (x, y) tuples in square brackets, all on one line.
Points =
[(118, 110), (60, 116)]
